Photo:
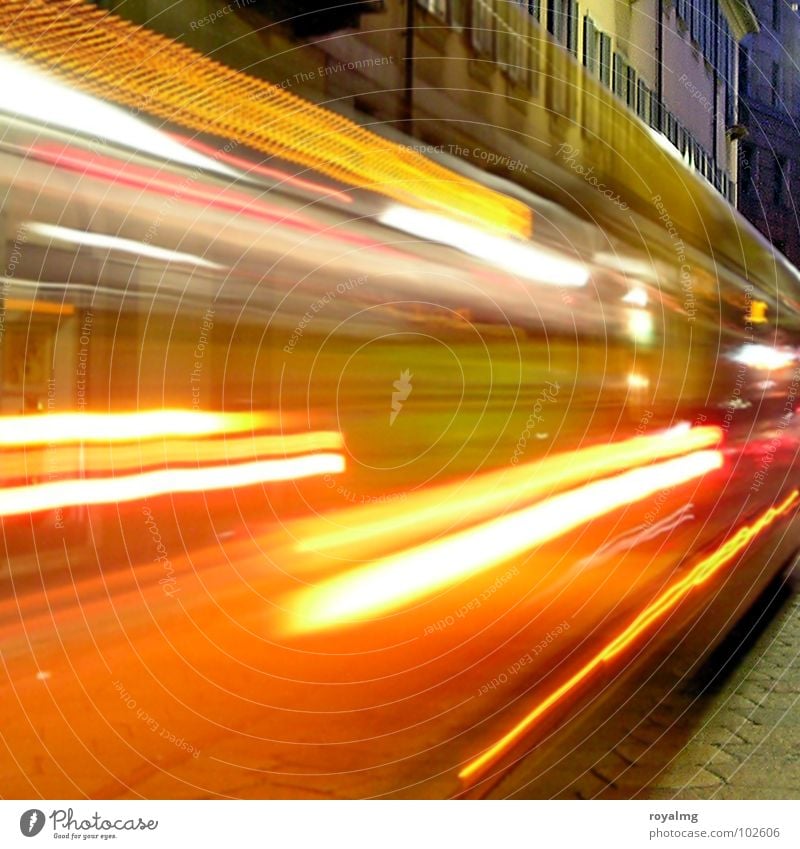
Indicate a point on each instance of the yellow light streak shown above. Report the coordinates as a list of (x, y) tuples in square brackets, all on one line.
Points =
[(61, 428), (400, 580), (436, 509)]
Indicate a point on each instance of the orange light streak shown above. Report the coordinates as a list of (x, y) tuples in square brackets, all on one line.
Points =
[(17, 501), (402, 579), (61, 428), (93, 459), (431, 511), (701, 573)]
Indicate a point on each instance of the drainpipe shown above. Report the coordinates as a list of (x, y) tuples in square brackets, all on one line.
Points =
[(408, 91), (660, 64)]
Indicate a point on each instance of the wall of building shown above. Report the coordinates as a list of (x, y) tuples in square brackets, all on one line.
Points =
[(770, 154)]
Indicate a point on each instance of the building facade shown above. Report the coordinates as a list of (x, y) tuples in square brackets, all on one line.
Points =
[(769, 81)]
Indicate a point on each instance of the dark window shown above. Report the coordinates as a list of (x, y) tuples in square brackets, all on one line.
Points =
[(744, 70), (620, 76), (630, 89), (776, 14), (605, 59), (643, 101), (589, 45), (655, 118), (747, 155), (571, 26), (556, 19), (779, 180), (776, 85)]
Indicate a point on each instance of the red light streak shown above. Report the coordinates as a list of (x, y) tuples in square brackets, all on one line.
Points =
[(271, 173), (701, 573)]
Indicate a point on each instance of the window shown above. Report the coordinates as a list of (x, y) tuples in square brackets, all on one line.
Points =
[(571, 26), (482, 27), (458, 14), (643, 101), (744, 71), (589, 45), (605, 59), (776, 14), (630, 87), (776, 93), (557, 20), (535, 8), (620, 76), (779, 180), (655, 117), (510, 53), (435, 7), (747, 165)]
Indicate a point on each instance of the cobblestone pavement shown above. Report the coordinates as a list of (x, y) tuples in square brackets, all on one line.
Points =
[(731, 732), (747, 742)]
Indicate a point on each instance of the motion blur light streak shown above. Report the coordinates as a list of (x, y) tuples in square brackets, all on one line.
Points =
[(60, 428), (524, 260), (50, 496), (764, 357), (64, 459), (103, 54), (44, 98), (115, 243), (640, 325), (275, 174), (506, 488), (637, 297), (666, 601), (400, 580)]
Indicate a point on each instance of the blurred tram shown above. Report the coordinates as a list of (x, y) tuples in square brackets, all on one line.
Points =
[(466, 483)]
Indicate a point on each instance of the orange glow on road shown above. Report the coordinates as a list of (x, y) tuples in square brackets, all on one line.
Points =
[(510, 487), (63, 428), (701, 573), (405, 578), (49, 496)]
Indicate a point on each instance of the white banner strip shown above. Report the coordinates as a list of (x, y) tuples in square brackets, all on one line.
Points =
[(403, 825)]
